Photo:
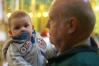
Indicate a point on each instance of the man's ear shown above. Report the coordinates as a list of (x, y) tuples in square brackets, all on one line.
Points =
[(10, 32), (72, 25)]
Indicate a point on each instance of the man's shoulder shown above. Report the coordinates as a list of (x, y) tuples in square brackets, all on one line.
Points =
[(88, 58), (85, 55), (82, 58)]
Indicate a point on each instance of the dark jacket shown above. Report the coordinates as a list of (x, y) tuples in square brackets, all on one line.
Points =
[(79, 56)]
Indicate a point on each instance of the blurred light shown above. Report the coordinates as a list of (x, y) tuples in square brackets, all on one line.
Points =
[(45, 14), (9, 14), (31, 15), (86, 1), (2, 36), (39, 14), (0, 9), (96, 8)]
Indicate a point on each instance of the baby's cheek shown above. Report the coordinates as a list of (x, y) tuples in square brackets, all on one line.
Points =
[(30, 33)]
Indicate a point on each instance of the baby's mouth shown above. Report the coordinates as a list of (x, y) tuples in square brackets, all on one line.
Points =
[(25, 34)]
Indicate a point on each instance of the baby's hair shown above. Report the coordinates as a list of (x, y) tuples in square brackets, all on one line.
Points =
[(17, 14)]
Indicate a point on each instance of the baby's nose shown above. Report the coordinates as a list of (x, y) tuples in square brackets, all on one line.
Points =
[(23, 30)]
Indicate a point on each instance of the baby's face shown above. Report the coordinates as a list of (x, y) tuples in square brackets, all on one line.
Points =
[(20, 25)]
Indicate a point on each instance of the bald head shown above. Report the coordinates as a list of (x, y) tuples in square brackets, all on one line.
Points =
[(80, 9), (70, 22)]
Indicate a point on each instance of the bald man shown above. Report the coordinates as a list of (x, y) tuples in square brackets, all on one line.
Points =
[(70, 24)]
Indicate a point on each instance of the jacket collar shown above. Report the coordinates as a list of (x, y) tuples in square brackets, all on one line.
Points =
[(83, 46)]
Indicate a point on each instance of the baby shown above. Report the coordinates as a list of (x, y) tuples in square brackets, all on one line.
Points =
[(26, 47)]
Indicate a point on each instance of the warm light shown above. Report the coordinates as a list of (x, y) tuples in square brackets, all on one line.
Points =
[(97, 8), (45, 14), (9, 14), (31, 15), (2, 36), (39, 14)]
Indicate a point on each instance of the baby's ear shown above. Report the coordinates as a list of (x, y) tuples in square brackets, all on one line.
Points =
[(32, 27), (9, 31)]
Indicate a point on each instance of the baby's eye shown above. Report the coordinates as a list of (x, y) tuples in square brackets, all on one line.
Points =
[(17, 28), (26, 25)]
